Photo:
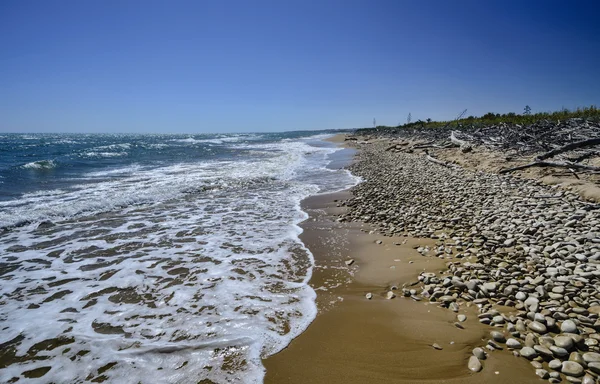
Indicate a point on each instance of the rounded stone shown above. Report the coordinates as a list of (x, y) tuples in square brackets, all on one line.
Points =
[(568, 326), (594, 367), (538, 327), (565, 342), (528, 353), (591, 357), (571, 368), (462, 318), (479, 353), (555, 364), (474, 364), (542, 373), (587, 379), (558, 351), (498, 336), (513, 343), (540, 349)]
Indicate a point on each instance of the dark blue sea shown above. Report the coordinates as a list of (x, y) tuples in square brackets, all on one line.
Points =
[(155, 258)]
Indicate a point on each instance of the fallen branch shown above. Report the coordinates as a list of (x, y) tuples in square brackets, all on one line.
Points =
[(456, 140), (568, 165), (436, 161), (569, 147)]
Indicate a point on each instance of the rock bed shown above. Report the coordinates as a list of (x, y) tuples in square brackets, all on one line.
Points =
[(528, 256)]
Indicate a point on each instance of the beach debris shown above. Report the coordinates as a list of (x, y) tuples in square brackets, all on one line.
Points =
[(369, 296), (349, 262)]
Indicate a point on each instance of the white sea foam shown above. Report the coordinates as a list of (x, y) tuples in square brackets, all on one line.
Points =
[(201, 260), (103, 154), (40, 164)]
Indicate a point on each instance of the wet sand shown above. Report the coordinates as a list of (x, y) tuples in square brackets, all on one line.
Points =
[(355, 340)]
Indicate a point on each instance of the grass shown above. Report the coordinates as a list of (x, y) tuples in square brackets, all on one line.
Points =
[(591, 112)]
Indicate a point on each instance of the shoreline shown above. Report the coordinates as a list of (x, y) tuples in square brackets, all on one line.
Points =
[(353, 339)]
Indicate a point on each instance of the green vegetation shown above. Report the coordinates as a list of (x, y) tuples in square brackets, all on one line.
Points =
[(491, 118)]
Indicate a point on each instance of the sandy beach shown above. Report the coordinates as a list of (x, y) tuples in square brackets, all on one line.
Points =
[(355, 340), (394, 296)]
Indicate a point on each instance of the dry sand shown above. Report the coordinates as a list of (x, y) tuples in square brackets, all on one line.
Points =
[(355, 340)]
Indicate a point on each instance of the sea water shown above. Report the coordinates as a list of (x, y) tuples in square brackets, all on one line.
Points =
[(155, 258)]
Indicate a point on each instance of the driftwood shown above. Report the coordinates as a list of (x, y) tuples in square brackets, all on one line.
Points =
[(456, 140), (565, 164), (569, 147), (437, 161)]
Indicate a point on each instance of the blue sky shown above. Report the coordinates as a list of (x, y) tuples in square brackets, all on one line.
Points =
[(233, 66)]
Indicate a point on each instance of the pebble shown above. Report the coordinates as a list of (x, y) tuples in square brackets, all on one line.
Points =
[(568, 326), (542, 373), (462, 318), (498, 336), (390, 295), (437, 346), (555, 364), (349, 262), (474, 364), (591, 357), (528, 353), (479, 353), (571, 368), (369, 295), (513, 343), (538, 327), (565, 342)]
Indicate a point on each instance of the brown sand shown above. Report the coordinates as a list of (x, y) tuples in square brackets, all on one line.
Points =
[(338, 138), (355, 340)]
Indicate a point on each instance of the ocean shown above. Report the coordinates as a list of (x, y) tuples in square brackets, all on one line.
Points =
[(155, 258)]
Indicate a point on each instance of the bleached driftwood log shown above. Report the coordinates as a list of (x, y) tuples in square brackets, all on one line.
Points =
[(566, 164), (569, 147)]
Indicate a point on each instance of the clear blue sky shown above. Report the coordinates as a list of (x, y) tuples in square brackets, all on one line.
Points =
[(223, 66)]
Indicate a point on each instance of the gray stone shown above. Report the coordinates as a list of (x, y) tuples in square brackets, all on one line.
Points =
[(498, 336), (513, 343), (479, 353), (528, 353), (565, 342), (568, 326), (544, 351), (490, 287), (369, 295), (571, 368), (591, 357), (538, 327), (462, 318), (474, 364), (555, 364), (594, 367), (558, 351), (542, 373), (587, 379)]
